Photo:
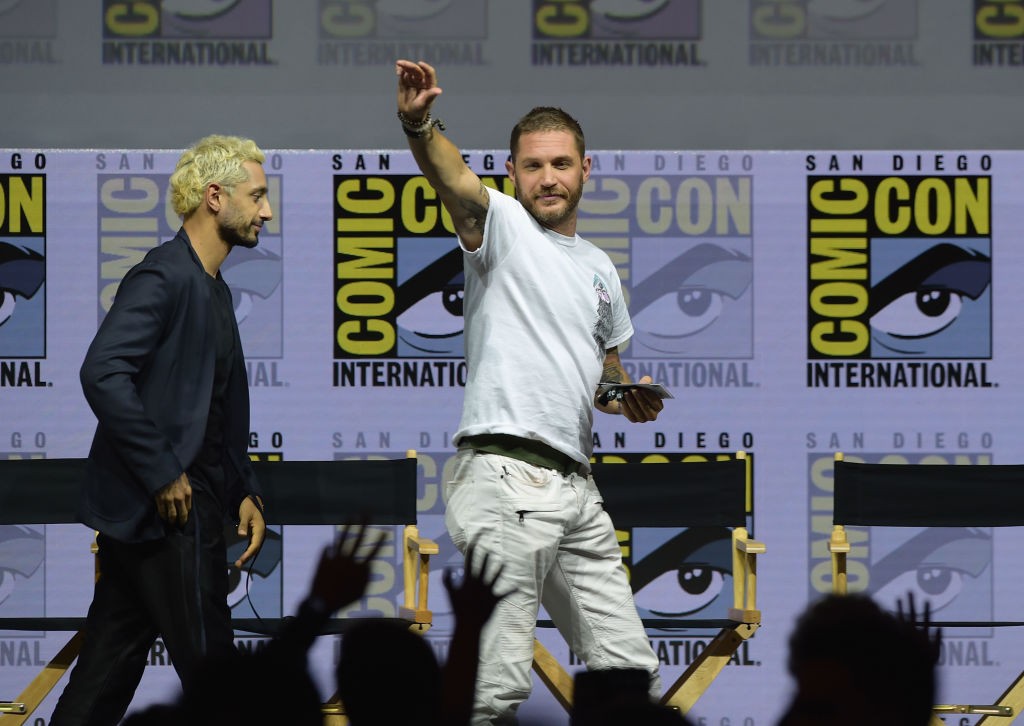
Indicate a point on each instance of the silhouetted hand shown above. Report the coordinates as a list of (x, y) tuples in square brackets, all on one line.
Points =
[(924, 627), (473, 601), (342, 575)]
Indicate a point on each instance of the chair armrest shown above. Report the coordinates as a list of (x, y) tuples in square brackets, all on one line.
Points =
[(422, 545), (751, 546), (838, 543)]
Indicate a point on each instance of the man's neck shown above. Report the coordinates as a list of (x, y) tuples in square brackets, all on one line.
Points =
[(209, 247)]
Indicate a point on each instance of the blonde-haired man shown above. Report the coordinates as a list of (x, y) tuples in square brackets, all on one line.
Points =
[(165, 376)]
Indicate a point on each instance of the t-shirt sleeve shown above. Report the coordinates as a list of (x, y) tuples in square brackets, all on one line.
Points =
[(622, 326), (499, 231)]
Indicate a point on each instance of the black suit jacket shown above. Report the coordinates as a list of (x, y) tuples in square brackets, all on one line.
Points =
[(148, 376)]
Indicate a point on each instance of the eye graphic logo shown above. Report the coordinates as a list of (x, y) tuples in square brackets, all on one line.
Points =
[(22, 308), (25, 19), (951, 568), (430, 295), (834, 20), (187, 19), (844, 9), (198, 8), (22, 552), (131, 202), (255, 276), (22, 265), (930, 299), (899, 267), (692, 299), (617, 19), (356, 20), (681, 574)]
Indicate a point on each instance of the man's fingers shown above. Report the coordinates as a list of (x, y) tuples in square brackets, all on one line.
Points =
[(255, 542), (249, 552), (640, 406), (376, 547)]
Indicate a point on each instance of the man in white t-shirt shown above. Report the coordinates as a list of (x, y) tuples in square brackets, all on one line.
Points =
[(544, 316)]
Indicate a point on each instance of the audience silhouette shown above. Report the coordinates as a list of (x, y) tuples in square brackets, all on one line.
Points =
[(855, 663)]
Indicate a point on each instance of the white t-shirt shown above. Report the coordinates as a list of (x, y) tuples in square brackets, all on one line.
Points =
[(541, 310)]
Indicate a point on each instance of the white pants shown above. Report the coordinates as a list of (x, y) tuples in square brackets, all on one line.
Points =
[(557, 545)]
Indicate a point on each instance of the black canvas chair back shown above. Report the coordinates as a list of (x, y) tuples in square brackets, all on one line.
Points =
[(380, 491), (712, 493), (923, 495)]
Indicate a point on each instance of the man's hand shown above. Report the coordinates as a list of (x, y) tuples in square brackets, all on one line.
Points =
[(417, 88), (174, 501), (344, 569), (639, 405), (251, 525)]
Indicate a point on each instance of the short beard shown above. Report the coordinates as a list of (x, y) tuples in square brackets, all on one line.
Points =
[(232, 237), (551, 219)]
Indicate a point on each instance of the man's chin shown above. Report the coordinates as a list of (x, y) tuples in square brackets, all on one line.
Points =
[(246, 243)]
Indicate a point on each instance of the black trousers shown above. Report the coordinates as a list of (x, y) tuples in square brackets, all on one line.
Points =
[(176, 588)]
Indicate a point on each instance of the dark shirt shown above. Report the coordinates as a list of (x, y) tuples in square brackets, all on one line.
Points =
[(207, 471)]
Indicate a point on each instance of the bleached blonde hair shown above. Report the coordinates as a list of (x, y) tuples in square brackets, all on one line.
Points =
[(211, 160)]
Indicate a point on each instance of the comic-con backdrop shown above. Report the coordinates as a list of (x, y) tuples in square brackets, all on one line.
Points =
[(795, 303), (639, 74)]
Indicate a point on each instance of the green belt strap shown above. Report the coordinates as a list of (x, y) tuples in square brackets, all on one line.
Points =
[(528, 450)]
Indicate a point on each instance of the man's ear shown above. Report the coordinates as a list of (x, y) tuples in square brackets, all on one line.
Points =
[(214, 197)]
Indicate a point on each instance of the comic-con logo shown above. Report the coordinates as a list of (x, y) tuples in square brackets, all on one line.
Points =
[(364, 32), (187, 32), (833, 32), (998, 30), (399, 286), (951, 568), (899, 268), (683, 247), (691, 267), (22, 563), (616, 33), (134, 215), (23, 276), (27, 30)]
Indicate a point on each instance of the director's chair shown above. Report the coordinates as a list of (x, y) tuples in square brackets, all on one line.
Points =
[(41, 491), (700, 494), (929, 495), (381, 490)]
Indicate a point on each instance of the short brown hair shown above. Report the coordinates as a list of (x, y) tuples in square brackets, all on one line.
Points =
[(546, 118)]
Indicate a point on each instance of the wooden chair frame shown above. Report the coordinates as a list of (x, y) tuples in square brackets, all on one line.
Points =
[(955, 495), (682, 502), (46, 491)]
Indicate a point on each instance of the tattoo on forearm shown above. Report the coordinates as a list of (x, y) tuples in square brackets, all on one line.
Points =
[(612, 372), (476, 212)]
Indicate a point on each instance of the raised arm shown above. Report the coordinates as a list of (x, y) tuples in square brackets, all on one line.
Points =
[(461, 191)]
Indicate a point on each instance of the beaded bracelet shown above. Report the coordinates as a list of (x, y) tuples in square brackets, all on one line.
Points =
[(417, 130)]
